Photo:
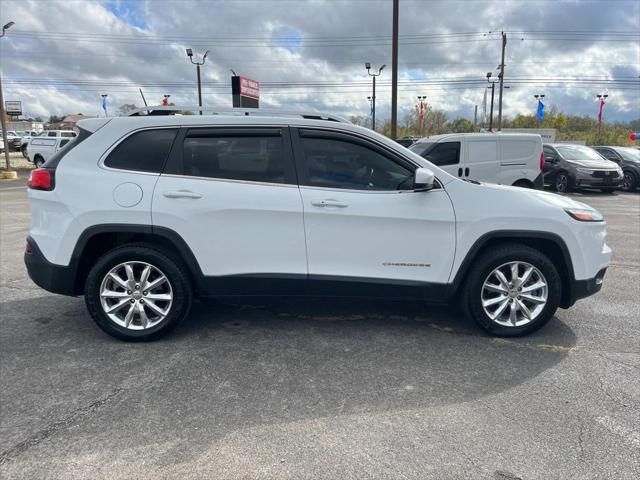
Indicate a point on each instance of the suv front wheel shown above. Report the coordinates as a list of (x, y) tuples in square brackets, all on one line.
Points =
[(138, 293), (512, 290)]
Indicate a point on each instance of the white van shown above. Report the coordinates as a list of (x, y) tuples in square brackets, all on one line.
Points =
[(503, 158), (42, 148)]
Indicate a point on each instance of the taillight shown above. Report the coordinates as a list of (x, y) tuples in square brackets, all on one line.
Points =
[(542, 161), (41, 179)]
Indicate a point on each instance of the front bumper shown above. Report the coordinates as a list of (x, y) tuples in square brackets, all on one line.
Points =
[(583, 288), (598, 179), (53, 278)]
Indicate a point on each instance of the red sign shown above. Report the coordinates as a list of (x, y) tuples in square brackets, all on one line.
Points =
[(249, 88)]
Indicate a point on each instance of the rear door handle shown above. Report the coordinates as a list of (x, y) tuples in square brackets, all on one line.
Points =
[(329, 203), (181, 194), (466, 172)]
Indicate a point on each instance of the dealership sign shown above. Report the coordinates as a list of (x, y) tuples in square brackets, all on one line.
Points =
[(249, 88), (13, 108), (245, 92)]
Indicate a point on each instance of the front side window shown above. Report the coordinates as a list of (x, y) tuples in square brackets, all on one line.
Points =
[(243, 157), (336, 163), (143, 151)]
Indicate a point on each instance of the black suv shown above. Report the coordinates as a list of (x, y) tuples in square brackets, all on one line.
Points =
[(629, 160), (574, 166)]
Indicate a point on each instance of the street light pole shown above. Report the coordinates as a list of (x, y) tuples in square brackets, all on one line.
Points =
[(539, 98), (602, 97), (198, 64), (501, 75), (423, 99), (367, 65), (2, 117)]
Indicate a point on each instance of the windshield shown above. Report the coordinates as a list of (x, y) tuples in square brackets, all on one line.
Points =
[(629, 153), (577, 152)]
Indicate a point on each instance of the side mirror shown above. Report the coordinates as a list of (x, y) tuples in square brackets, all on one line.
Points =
[(423, 179)]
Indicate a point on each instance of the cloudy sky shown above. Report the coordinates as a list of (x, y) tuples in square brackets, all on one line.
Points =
[(62, 55)]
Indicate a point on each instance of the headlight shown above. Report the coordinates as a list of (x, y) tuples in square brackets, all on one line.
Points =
[(585, 170), (584, 215)]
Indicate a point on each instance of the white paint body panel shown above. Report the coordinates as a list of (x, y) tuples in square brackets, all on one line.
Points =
[(373, 233), (235, 227)]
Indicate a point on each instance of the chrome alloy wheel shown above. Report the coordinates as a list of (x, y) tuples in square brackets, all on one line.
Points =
[(136, 295), (514, 294)]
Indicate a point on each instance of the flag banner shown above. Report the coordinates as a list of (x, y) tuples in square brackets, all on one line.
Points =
[(104, 104), (540, 111), (600, 112), (421, 113)]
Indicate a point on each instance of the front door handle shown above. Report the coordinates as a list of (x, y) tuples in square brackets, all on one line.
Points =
[(466, 172), (329, 203), (181, 194)]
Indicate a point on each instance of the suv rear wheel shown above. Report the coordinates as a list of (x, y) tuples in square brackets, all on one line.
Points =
[(138, 293), (512, 290)]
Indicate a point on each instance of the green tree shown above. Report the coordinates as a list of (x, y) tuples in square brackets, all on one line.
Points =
[(126, 108), (460, 125)]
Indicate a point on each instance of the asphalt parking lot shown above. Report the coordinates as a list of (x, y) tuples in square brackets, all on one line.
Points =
[(321, 389)]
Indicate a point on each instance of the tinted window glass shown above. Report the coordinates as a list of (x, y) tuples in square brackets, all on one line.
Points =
[(252, 158), (445, 153), (341, 164), (578, 152), (52, 134), (63, 143), (548, 152), (68, 134), (144, 151)]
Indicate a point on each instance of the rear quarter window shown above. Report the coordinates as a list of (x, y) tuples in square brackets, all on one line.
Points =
[(143, 151)]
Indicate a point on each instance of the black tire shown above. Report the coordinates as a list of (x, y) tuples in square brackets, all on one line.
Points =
[(38, 161), (172, 268), (492, 259), (562, 183), (24, 151), (629, 182), (523, 184)]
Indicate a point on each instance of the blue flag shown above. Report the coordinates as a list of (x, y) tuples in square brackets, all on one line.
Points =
[(104, 104), (540, 111)]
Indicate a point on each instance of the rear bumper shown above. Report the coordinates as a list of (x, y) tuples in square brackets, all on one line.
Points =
[(584, 288), (49, 276)]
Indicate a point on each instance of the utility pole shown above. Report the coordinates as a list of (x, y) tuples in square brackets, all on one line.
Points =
[(501, 75), (394, 73), (493, 89), (367, 65), (198, 64), (8, 173)]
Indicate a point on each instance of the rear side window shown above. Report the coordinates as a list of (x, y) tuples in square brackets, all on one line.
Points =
[(440, 154), (68, 134), (250, 157), (143, 151)]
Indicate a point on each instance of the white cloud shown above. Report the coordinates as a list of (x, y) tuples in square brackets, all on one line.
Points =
[(316, 42)]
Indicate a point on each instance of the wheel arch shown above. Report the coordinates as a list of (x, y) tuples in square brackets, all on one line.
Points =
[(550, 244), (524, 182), (97, 240)]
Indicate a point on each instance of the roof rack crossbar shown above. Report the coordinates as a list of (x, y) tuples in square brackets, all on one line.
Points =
[(240, 111)]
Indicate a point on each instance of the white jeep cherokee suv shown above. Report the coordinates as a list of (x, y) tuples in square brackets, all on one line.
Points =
[(140, 214)]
